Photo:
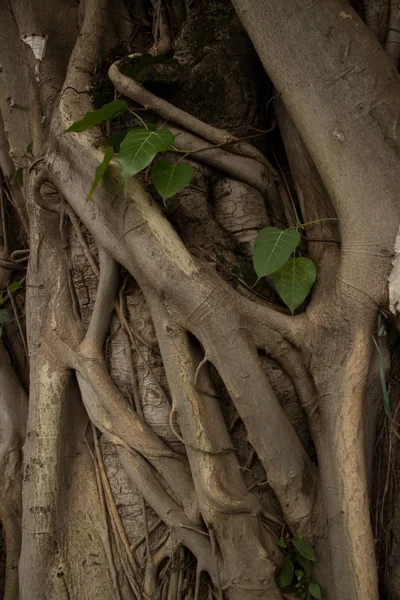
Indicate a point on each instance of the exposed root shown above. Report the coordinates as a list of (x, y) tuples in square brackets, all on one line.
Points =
[(106, 538), (128, 560), (132, 89), (162, 37)]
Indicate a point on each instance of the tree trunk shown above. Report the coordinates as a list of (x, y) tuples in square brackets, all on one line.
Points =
[(168, 429)]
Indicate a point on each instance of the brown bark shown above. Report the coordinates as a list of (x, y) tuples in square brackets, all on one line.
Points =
[(161, 455)]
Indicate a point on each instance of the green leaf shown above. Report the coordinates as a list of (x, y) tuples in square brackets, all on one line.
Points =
[(303, 547), (116, 139), (15, 285), (19, 177), (294, 281), (100, 170), (4, 316), (29, 148), (315, 590), (273, 248), (169, 178), (140, 147), (1, 298), (306, 564), (95, 117), (286, 573), (281, 542)]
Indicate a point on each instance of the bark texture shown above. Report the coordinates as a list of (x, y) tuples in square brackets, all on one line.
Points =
[(163, 421)]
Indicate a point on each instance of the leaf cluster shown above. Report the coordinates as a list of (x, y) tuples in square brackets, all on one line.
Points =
[(135, 150), (273, 256), (296, 569)]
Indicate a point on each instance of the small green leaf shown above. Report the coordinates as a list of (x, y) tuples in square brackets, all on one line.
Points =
[(294, 281), (315, 590), (306, 564), (4, 316), (286, 573), (273, 248), (15, 285), (29, 148), (19, 177), (281, 542), (303, 547), (140, 147), (100, 170), (169, 178), (95, 117)]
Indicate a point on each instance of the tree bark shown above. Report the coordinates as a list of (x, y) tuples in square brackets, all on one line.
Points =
[(177, 421)]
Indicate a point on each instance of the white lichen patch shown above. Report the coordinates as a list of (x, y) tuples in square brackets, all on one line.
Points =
[(338, 135)]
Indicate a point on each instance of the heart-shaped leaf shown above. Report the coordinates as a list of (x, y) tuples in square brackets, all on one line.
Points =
[(116, 139), (286, 573), (315, 590), (100, 170), (293, 283), (272, 249), (4, 316), (302, 546), (169, 178), (140, 147), (95, 117)]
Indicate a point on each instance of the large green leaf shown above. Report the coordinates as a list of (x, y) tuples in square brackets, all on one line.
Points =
[(302, 546), (95, 117), (286, 573), (169, 178), (100, 170), (272, 249), (4, 316), (315, 590), (115, 139), (293, 283), (140, 147)]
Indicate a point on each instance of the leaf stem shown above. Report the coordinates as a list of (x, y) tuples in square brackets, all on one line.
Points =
[(140, 118)]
